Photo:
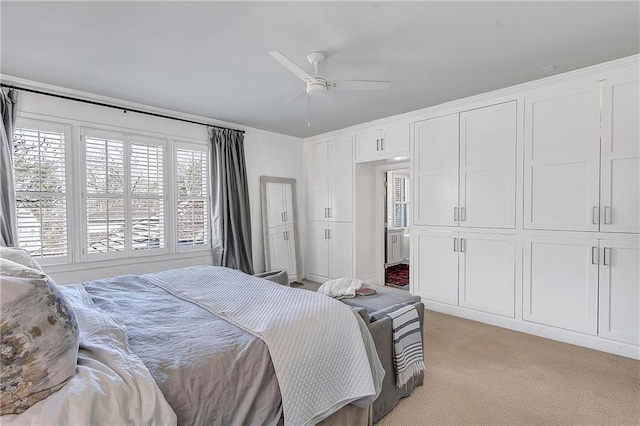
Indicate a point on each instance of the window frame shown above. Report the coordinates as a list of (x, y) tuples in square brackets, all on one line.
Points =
[(43, 124)]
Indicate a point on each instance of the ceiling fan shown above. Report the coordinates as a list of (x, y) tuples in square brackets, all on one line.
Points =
[(316, 85)]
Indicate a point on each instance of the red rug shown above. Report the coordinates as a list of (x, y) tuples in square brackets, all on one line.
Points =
[(397, 275)]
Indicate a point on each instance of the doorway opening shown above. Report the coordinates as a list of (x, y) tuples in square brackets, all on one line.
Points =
[(396, 228)]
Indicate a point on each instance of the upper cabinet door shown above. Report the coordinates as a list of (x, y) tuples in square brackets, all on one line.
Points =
[(562, 150), (275, 204), (396, 140), (341, 180), (317, 182), (368, 144), (620, 189), (488, 166), (436, 171)]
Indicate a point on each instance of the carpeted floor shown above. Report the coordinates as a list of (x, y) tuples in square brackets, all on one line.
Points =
[(480, 374)]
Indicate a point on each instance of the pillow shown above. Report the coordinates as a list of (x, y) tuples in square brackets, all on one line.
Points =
[(39, 344), (20, 257)]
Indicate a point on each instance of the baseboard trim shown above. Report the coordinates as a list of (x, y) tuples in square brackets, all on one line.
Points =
[(565, 336)]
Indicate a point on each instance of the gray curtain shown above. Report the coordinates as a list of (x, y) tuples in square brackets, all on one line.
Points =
[(230, 216), (8, 214)]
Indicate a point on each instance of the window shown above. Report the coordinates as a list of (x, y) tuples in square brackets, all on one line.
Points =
[(40, 176), (192, 196), (399, 197), (124, 193)]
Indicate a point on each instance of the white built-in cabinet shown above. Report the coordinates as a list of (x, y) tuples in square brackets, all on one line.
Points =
[(330, 181), (468, 269), (465, 168), (330, 250), (582, 156), (383, 142), (395, 246), (588, 285)]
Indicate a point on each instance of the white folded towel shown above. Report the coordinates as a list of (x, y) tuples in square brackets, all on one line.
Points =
[(341, 288)]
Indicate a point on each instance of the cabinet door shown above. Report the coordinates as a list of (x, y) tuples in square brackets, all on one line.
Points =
[(488, 167), (275, 204), (561, 282), (341, 180), (436, 171), (280, 251), (397, 248), (340, 251), (317, 182), (620, 189), (396, 140), (487, 273), (288, 203), (292, 270), (318, 249), (562, 158), (620, 291), (436, 265), (368, 144)]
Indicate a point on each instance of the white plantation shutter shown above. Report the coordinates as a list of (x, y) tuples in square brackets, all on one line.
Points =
[(124, 191), (400, 194), (40, 181), (192, 197)]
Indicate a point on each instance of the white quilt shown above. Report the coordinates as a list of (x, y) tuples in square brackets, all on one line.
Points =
[(111, 386), (314, 341)]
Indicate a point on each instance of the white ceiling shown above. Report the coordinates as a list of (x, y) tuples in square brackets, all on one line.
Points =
[(210, 58)]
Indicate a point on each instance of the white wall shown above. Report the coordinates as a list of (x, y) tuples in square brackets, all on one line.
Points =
[(271, 154), (266, 154)]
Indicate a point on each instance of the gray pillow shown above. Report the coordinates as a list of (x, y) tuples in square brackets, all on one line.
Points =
[(39, 337), (19, 256)]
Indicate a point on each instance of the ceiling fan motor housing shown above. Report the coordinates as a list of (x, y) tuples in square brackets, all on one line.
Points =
[(316, 87)]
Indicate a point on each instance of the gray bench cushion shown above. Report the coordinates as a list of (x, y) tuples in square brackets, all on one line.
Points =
[(384, 298)]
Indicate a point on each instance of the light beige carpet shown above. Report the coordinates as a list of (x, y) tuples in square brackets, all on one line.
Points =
[(480, 374)]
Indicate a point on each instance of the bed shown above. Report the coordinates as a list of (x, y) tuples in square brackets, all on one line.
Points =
[(210, 345)]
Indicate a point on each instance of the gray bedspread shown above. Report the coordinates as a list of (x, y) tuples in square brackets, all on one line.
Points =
[(210, 371)]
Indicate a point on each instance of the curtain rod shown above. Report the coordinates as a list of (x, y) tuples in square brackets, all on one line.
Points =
[(125, 109)]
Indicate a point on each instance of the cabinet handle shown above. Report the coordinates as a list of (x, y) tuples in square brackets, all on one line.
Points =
[(285, 216), (329, 212), (463, 214), (455, 244), (281, 217), (381, 144), (325, 234), (377, 144), (329, 233), (325, 212), (607, 215), (462, 244), (455, 214), (594, 255), (606, 260), (596, 215)]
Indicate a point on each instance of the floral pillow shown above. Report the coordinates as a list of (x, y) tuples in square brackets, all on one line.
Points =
[(39, 337)]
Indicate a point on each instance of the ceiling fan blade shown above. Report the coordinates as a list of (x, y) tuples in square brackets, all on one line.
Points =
[(304, 89), (291, 66), (357, 85)]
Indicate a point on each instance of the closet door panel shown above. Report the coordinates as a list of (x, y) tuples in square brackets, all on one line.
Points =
[(487, 273), (397, 139), (562, 159), (620, 188), (620, 291), (368, 144), (436, 265), (488, 166), (561, 282), (317, 182), (341, 180), (340, 251), (280, 251), (436, 171), (317, 249)]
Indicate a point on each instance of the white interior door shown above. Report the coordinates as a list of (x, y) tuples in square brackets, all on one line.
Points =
[(368, 144), (436, 171), (340, 251), (488, 166), (279, 251), (620, 291), (317, 249), (341, 180), (288, 203), (561, 282), (436, 265), (317, 182), (620, 189), (275, 204), (562, 158)]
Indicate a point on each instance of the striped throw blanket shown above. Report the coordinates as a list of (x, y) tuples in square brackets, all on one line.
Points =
[(407, 344)]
